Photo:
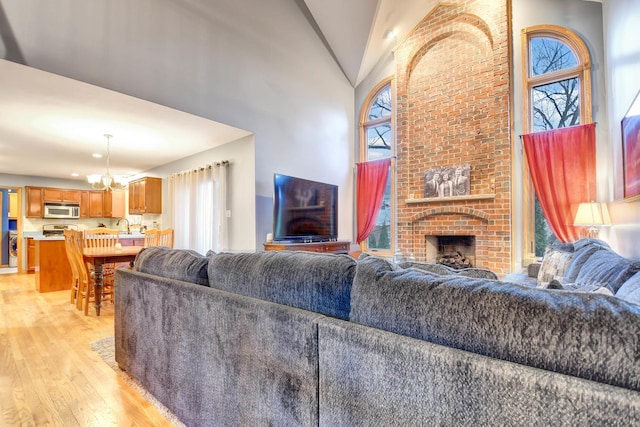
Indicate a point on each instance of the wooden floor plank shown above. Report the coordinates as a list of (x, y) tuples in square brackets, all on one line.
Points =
[(49, 374)]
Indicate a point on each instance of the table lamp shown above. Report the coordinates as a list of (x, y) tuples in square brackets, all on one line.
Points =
[(592, 215)]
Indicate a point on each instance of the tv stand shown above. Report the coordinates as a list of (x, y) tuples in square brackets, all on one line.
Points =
[(335, 247)]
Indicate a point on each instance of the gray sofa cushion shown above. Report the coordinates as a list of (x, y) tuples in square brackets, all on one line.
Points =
[(608, 268), (313, 281), (588, 242), (439, 269), (580, 258), (442, 269), (580, 287), (587, 335), (630, 290), (181, 264)]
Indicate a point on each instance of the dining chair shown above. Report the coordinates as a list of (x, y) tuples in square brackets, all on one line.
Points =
[(165, 237), (151, 237), (73, 263), (102, 238), (85, 282)]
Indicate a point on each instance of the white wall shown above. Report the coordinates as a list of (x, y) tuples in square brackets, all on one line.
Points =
[(252, 64), (241, 157), (621, 19)]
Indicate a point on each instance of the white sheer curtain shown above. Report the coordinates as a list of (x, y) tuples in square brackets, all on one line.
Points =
[(198, 203)]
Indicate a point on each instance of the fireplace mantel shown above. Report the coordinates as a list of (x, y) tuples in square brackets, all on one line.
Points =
[(451, 198)]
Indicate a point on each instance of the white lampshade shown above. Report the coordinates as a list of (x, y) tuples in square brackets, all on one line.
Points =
[(592, 214), (94, 179)]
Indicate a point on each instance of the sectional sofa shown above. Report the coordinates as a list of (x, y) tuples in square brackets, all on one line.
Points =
[(306, 339)]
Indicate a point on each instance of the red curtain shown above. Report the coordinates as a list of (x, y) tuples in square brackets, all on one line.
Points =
[(371, 180), (562, 163)]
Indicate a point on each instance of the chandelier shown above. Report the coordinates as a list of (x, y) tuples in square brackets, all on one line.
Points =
[(107, 181)]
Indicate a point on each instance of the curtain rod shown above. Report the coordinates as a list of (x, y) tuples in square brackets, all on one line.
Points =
[(216, 164), (209, 166), (594, 123)]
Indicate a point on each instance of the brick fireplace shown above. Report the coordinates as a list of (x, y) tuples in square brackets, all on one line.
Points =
[(453, 109)]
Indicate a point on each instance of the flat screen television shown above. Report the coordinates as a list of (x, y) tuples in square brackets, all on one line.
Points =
[(304, 210)]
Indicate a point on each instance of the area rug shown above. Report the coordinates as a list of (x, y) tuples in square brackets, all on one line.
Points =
[(105, 348)]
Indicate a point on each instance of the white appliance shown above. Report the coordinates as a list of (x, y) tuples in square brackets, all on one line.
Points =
[(61, 210), (13, 248)]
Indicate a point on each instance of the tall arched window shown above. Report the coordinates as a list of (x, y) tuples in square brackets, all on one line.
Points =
[(556, 93), (377, 141)]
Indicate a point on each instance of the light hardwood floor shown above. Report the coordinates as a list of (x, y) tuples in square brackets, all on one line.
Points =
[(49, 376)]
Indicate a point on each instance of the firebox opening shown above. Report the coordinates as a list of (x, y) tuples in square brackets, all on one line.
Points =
[(453, 251)]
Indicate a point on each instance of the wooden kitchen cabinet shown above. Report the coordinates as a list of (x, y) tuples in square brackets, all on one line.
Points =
[(34, 202), (113, 204), (132, 241), (96, 204), (61, 195), (145, 196), (13, 205), (93, 204), (53, 272), (31, 255), (84, 204)]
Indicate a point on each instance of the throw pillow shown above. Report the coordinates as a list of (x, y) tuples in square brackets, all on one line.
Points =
[(554, 264)]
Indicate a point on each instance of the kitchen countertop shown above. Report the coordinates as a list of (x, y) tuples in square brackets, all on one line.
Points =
[(37, 235)]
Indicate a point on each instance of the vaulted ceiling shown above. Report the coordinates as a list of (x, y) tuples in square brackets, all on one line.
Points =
[(36, 105), (357, 30)]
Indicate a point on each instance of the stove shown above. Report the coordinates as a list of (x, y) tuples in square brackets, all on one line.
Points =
[(54, 230)]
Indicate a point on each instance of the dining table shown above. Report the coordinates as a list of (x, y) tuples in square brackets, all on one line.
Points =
[(97, 257)]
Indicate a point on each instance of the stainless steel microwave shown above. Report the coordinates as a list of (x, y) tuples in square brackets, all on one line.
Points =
[(61, 210)]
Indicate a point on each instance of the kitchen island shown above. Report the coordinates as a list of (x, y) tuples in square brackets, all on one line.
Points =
[(53, 272)]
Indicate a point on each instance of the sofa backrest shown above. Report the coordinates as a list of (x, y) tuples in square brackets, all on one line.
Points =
[(585, 264), (180, 264), (313, 281), (592, 336)]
